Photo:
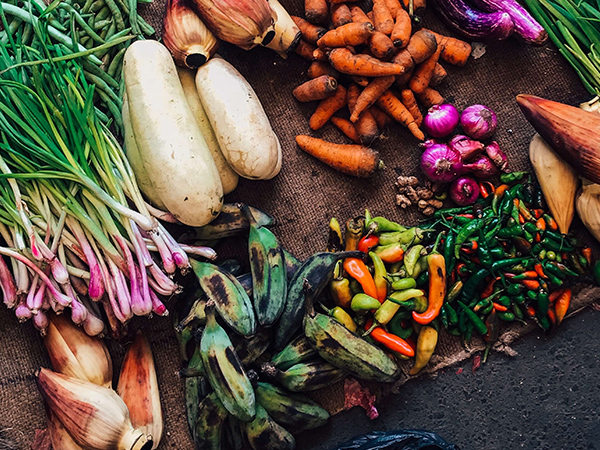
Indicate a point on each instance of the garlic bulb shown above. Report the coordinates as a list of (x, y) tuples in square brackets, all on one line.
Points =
[(557, 179), (190, 42), (95, 416), (139, 389), (588, 208), (287, 33), (245, 23), (74, 353)]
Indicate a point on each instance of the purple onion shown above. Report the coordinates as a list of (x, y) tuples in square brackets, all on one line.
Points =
[(440, 120), (429, 142), (482, 167), (479, 122), (464, 191), (467, 147), (497, 155), (441, 163)]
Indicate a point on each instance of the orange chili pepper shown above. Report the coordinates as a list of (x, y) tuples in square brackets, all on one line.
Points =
[(472, 249), (537, 213), (551, 316), (366, 243), (540, 270), (499, 192), (389, 340), (486, 188), (436, 267), (499, 307), (554, 295), (540, 223), (532, 285), (551, 223), (562, 305), (358, 270), (587, 254), (488, 290), (530, 311), (537, 238), (521, 219), (391, 253)]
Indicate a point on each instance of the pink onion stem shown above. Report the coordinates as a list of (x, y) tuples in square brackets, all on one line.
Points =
[(165, 283), (162, 215), (198, 250), (179, 256), (139, 305), (119, 283), (158, 307), (163, 251), (96, 286), (31, 295), (7, 283)]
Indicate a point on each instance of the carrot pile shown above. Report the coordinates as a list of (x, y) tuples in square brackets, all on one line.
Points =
[(375, 64)]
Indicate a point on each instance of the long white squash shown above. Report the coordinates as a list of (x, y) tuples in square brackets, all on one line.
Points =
[(242, 128), (229, 179), (173, 150)]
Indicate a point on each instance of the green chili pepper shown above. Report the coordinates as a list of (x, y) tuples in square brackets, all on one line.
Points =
[(473, 283), (519, 299), (528, 236), (513, 177), (509, 232), (507, 316), (451, 312), (504, 300), (404, 283), (504, 263), (528, 193), (551, 268), (531, 228), (544, 323), (465, 232), (506, 205), (454, 331), (395, 327), (518, 312), (454, 290), (596, 272), (444, 317), (412, 256), (543, 303), (384, 225), (450, 212), (482, 304), (543, 254), (422, 279), (533, 295), (551, 244), (468, 331), (494, 231), (497, 253), (364, 302), (479, 324), (485, 311), (448, 251), (407, 294), (417, 304), (514, 289), (485, 259), (575, 263)]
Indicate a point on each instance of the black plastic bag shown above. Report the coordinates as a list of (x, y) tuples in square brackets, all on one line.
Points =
[(397, 440)]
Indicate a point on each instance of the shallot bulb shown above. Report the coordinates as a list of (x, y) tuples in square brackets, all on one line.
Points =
[(482, 167), (497, 155), (467, 147), (478, 122)]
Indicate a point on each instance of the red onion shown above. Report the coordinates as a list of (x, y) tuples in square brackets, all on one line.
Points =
[(464, 191), (440, 120), (429, 142), (467, 147), (482, 167), (441, 163), (497, 155), (478, 122)]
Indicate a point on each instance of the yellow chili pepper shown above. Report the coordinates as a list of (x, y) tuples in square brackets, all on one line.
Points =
[(379, 276), (426, 343), (344, 318)]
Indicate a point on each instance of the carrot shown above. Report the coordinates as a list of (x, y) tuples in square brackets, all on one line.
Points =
[(390, 104), (319, 54), (404, 59), (402, 80), (359, 16), (380, 117), (340, 14), (382, 17), (305, 49), (316, 11), (423, 73), (402, 29), (454, 51), (315, 89), (394, 7), (319, 68), (327, 108), (349, 34), (346, 127), (418, 5), (344, 61), (366, 124), (360, 80), (421, 46), (430, 97), (310, 33), (408, 99), (356, 160), (439, 73), (370, 94), (370, 16), (381, 46)]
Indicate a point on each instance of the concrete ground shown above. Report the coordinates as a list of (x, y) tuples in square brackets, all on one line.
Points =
[(545, 398)]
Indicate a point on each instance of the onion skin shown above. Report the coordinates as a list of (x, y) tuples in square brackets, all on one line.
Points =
[(478, 122), (441, 163), (464, 191), (482, 167), (526, 27), (474, 24), (467, 147), (497, 155)]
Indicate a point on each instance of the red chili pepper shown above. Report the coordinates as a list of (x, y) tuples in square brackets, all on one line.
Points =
[(532, 285), (551, 223), (587, 254), (499, 307), (486, 188), (540, 223), (366, 243), (562, 305), (537, 238), (358, 270), (530, 311), (527, 275), (537, 213), (521, 219), (460, 269), (564, 256), (540, 270), (554, 295), (488, 289), (469, 250), (390, 340)]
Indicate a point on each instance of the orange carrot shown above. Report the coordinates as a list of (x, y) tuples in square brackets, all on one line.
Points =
[(315, 89), (356, 160), (346, 127), (430, 97), (370, 16), (349, 34), (454, 51), (327, 108), (439, 74), (316, 11), (402, 80), (344, 61), (408, 99), (394, 7), (382, 17), (310, 33), (359, 16), (380, 117), (305, 49), (340, 14), (360, 80), (381, 46), (319, 68), (319, 54), (390, 104), (366, 126), (418, 5), (370, 94), (421, 46), (402, 29), (404, 59), (423, 73)]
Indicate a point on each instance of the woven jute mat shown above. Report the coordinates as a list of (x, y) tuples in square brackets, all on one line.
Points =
[(303, 197)]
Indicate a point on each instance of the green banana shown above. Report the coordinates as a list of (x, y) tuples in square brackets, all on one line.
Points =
[(246, 282), (209, 424), (346, 350), (318, 271), (297, 351), (224, 369), (230, 222), (303, 377), (195, 367), (195, 389), (292, 264), (184, 337), (232, 302), (263, 433), (232, 434), (294, 411), (231, 265), (250, 349), (269, 282), (196, 314)]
